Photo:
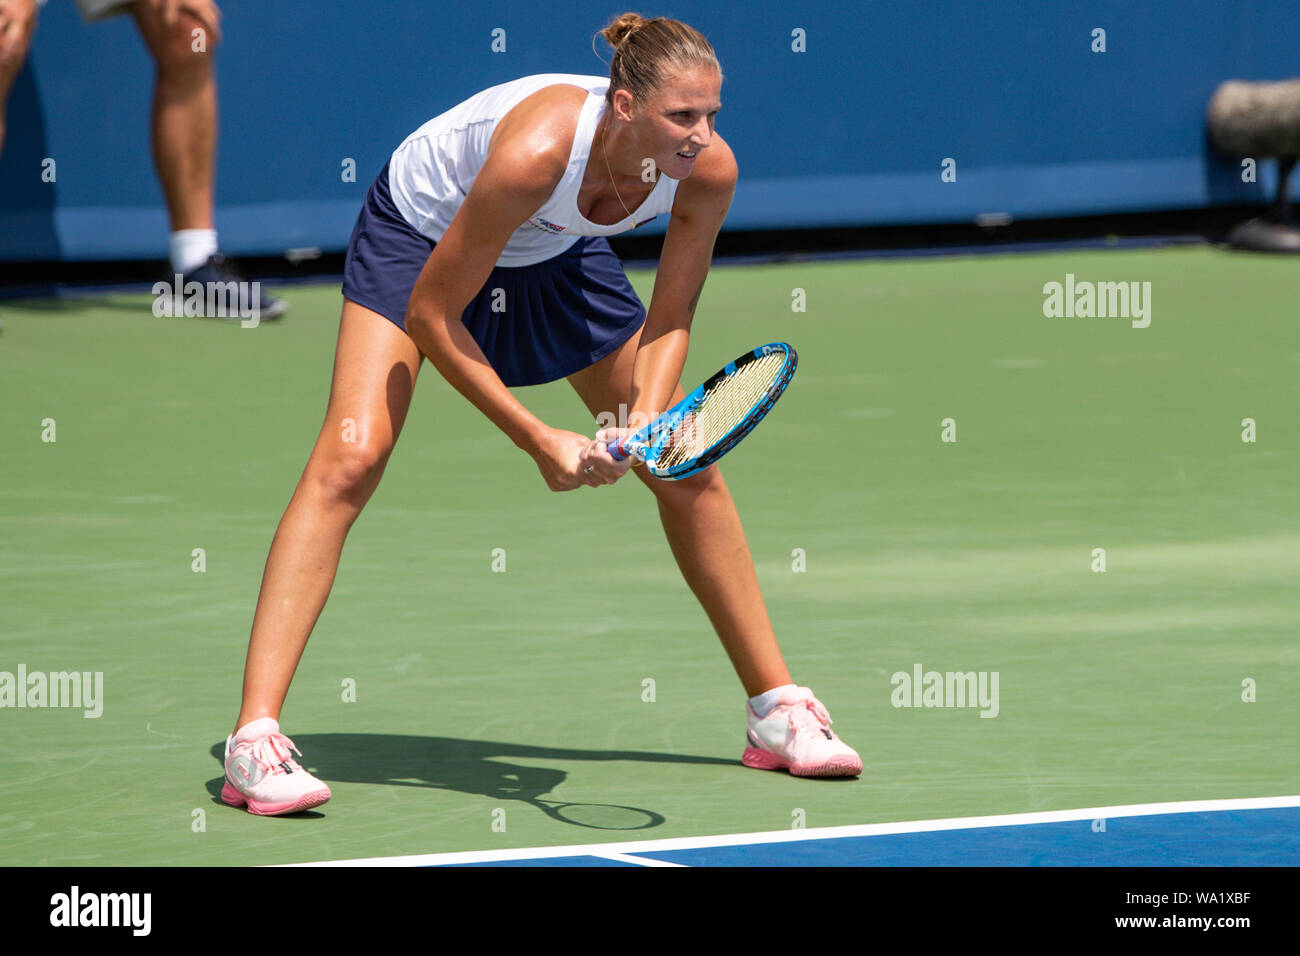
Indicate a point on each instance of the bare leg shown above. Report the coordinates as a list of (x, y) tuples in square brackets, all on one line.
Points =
[(184, 124), (706, 537), (374, 374)]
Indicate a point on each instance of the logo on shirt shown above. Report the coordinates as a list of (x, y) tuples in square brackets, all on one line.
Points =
[(546, 225)]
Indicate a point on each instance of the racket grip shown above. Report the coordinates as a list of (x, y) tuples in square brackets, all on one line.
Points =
[(628, 447)]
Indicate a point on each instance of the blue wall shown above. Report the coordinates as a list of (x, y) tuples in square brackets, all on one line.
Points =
[(851, 132)]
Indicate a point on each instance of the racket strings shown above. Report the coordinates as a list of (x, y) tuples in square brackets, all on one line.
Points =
[(721, 408)]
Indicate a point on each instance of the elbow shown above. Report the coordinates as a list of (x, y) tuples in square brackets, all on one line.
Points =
[(420, 326), (413, 321)]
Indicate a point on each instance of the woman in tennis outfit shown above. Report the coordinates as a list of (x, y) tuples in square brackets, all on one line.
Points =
[(481, 247)]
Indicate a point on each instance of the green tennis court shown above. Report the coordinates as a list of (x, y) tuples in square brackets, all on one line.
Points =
[(485, 698)]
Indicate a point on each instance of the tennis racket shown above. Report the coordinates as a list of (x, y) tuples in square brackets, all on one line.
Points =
[(712, 420)]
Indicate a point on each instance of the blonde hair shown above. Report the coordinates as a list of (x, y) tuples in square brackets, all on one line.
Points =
[(645, 51)]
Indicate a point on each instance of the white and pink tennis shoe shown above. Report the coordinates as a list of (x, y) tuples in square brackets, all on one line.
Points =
[(796, 736), (262, 774)]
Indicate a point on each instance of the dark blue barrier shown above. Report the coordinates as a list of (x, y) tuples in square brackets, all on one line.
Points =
[(853, 131)]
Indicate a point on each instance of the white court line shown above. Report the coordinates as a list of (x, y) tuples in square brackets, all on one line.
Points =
[(638, 860), (816, 833)]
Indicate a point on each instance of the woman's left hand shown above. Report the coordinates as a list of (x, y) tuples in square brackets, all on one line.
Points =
[(598, 463)]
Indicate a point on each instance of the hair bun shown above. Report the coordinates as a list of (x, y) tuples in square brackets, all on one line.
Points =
[(662, 47), (618, 31)]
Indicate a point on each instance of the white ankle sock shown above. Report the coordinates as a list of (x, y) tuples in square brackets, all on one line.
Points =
[(765, 701), (190, 248)]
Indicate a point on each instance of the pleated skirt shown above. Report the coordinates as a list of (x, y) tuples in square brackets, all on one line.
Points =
[(534, 323)]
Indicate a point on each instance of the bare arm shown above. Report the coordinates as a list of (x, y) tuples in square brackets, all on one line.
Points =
[(524, 163), (510, 188), (699, 208)]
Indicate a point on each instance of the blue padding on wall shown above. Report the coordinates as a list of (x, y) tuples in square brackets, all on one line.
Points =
[(852, 131)]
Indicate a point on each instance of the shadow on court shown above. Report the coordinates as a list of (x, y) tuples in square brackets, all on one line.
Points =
[(479, 767)]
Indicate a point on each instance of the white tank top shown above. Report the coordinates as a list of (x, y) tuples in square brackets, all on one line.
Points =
[(431, 172)]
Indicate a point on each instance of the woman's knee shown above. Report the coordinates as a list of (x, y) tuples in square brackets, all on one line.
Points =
[(347, 472), (701, 484)]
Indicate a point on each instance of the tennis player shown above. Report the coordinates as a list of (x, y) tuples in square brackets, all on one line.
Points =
[(481, 246)]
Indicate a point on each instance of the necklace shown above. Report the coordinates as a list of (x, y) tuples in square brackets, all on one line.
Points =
[(611, 174)]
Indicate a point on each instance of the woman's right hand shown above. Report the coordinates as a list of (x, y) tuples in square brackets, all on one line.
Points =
[(560, 458)]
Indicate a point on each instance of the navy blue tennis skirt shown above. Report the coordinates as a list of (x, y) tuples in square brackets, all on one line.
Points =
[(560, 316)]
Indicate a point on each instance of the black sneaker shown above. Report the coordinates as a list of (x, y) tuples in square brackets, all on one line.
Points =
[(243, 300)]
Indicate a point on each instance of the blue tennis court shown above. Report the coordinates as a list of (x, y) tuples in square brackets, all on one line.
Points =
[(1224, 833)]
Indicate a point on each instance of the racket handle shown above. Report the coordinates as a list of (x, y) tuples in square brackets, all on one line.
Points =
[(621, 448)]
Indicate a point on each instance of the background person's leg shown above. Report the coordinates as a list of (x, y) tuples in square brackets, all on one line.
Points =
[(184, 121), (184, 138)]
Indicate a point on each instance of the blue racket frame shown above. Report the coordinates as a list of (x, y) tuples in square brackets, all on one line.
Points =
[(649, 442)]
